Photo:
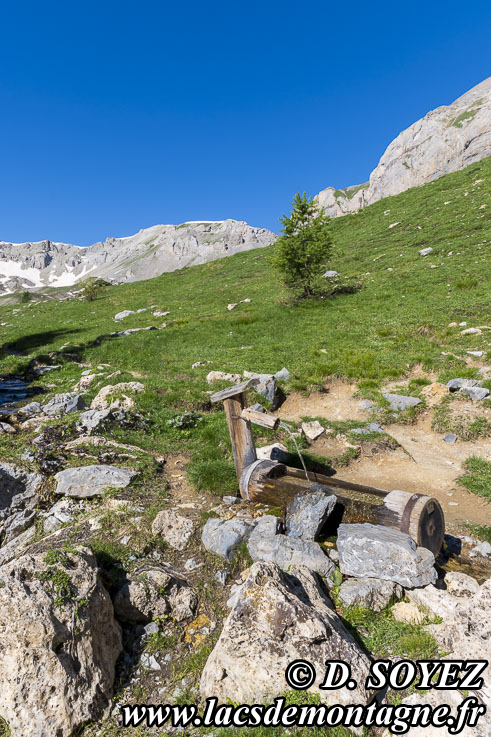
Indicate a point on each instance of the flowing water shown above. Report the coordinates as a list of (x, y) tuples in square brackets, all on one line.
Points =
[(13, 389), (285, 427)]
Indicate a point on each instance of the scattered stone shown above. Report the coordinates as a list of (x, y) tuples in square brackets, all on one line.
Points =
[(130, 331), (277, 618), (371, 593), (307, 514), (471, 331), (59, 514), (374, 551), (223, 536), (282, 374), (200, 363), (265, 545), (191, 564), (476, 354), (16, 524), (450, 438), (266, 387), (231, 500), (117, 396), (158, 313), (12, 549), (6, 428), (264, 453), (312, 430), (393, 225), (62, 404), (366, 404), (149, 661), (434, 393), (175, 530), (455, 385), (152, 592), (30, 410), (484, 549), (41, 370), (123, 314), (92, 418), (222, 376), (360, 431), (375, 427), (399, 402), (330, 275), (88, 481), (151, 629), (460, 584), (425, 251), (407, 613), (221, 577), (476, 393), (58, 661)]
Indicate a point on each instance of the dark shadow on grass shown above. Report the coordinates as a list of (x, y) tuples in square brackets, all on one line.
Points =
[(31, 342)]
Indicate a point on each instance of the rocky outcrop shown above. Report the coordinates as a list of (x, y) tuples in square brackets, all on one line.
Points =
[(445, 140), (59, 643), (277, 618), (148, 253), (84, 482)]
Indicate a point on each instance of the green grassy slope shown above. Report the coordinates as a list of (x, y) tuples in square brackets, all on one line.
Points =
[(399, 317)]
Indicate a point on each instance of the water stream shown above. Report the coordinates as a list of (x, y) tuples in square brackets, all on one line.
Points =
[(13, 389), (285, 427)]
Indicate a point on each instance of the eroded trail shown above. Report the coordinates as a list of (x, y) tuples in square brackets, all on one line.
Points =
[(422, 463)]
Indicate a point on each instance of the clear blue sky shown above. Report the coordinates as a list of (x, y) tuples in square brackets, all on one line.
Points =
[(119, 115)]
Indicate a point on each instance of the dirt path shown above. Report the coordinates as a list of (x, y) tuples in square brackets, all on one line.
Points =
[(423, 463)]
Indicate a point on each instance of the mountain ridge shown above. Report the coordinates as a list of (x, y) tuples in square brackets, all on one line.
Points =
[(445, 140)]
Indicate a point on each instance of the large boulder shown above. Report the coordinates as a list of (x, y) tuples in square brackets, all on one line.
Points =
[(151, 591), (59, 643), (277, 618), (265, 544), (374, 551), (63, 404), (87, 481)]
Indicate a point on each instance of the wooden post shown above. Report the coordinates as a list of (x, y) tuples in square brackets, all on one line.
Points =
[(234, 403)]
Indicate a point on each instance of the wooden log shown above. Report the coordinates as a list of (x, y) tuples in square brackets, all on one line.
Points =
[(264, 419), (232, 391), (339, 483), (243, 447), (418, 515)]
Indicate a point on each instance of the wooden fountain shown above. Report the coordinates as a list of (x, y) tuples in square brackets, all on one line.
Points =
[(276, 483)]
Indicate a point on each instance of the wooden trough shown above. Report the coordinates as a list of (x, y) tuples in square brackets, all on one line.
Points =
[(275, 483)]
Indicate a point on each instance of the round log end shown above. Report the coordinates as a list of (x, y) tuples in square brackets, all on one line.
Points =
[(256, 473)]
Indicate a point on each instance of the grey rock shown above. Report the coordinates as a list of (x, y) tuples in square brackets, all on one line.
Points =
[(267, 387), (307, 513), (283, 374), (371, 593), (312, 430), (373, 551), (425, 251), (62, 404), (153, 592), (277, 618), (48, 687), (30, 410), (41, 370), (148, 253), (16, 546), (18, 489), (149, 661), (60, 514), (88, 481), (476, 393), (221, 577), (130, 331), (286, 551), (6, 428), (366, 404), (483, 548), (450, 438), (16, 524), (447, 139), (375, 427), (223, 536), (330, 275), (361, 431), (456, 384), (151, 629), (231, 500), (175, 529), (92, 418), (123, 314), (399, 402)]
